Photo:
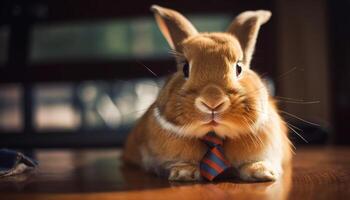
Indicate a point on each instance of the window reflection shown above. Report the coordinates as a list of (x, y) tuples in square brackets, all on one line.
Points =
[(93, 105), (116, 39), (10, 107)]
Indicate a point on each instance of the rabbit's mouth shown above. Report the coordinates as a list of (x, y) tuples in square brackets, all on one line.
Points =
[(213, 123), (212, 119)]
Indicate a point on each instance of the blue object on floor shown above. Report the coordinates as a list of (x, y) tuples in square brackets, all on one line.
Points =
[(13, 163)]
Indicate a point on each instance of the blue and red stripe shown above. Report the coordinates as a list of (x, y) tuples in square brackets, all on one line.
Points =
[(213, 165), (214, 161)]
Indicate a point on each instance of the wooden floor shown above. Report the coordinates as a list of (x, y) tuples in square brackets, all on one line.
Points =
[(317, 173)]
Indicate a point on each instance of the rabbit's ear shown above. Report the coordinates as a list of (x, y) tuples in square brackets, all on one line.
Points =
[(246, 27), (174, 26)]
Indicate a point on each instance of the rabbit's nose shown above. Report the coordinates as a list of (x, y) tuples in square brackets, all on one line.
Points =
[(215, 106), (210, 106), (212, 99)]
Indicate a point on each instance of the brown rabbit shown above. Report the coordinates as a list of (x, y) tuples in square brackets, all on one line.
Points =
[(213, 90)]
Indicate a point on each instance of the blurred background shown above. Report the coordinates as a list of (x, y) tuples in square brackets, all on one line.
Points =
[(78, 73)]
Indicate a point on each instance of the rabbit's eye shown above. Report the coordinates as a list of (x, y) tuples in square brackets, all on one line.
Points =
[(238, 68), (186, 69)]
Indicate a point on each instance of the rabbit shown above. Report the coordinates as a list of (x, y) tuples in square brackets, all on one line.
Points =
[(213, 90)]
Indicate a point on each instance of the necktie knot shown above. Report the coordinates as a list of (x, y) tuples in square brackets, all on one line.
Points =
[(214, 161), (212, 140)]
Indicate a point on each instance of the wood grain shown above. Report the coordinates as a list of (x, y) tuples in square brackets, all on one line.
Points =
[(317, 173)]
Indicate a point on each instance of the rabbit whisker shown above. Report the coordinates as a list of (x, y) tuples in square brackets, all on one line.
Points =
[(147, 68), (298, 134), (299, 118), (299, 129), (298, 102), (286, 73), (293, 100), (289, 98)]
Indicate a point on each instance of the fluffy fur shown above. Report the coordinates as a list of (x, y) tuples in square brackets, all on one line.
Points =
[(213, 98)]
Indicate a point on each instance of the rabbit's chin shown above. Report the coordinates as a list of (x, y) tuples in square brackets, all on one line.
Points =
[(198, 129), (230, 130)]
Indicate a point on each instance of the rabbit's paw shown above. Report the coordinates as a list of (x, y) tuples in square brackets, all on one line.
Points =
[(184, 173), (258, 171)]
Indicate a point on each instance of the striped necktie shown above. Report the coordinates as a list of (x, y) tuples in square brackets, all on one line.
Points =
[(214, 162)]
